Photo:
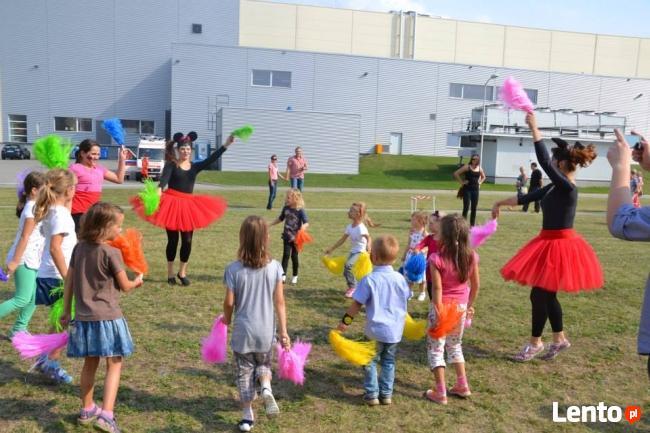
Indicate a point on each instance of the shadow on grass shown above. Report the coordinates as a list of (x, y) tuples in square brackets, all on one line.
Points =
[(546, 412)]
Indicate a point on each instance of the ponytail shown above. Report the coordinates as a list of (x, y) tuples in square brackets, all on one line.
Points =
[(455, 246), (35, 179), (363, 212), (170, 152), (57, 183)]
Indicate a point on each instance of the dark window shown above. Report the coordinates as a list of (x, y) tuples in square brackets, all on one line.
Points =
[(146, 127), (197, 28), (18, 128), (68, 124), (261, 78), (456, 90), (281, 79), (85, 125), (131, 126)]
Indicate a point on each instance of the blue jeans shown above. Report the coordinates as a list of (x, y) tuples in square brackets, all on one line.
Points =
[(273, 189), (386, 358), (297, 183)]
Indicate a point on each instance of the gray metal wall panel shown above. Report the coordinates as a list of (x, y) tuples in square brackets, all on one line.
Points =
[(617, 94), (219, 19), (281, 131)]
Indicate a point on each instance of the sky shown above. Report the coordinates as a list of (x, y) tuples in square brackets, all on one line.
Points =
[(622, 17)]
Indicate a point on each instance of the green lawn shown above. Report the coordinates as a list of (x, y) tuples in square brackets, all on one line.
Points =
[(166, 388), (376, 171)]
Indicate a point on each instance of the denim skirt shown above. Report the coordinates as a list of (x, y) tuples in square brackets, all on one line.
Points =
[(103, 338)]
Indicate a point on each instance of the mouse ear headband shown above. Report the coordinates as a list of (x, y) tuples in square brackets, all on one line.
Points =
[(184, 140)]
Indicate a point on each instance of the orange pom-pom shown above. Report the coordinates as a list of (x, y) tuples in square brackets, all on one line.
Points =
[(447, 318), (130, 245), (302, 238)]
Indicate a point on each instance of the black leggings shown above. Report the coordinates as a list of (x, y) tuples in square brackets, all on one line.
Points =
[(172, 244), (470, 196), (545, 306), (290, 249)]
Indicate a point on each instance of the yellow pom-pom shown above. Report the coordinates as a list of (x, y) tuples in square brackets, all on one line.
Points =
[(334, 264), (356, 352), (414, 329), (363, 266)]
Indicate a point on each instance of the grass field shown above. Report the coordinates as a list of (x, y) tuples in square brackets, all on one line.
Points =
[(166, 388), (376, 171)]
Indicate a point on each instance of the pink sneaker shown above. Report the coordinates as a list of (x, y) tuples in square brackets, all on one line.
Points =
[(555, 349), (458, 391), (349, 292), (528, 353), (435, 397)]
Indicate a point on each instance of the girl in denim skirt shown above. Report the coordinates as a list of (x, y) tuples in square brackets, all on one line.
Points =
[(95, 278)]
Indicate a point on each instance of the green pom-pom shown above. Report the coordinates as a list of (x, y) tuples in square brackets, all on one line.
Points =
[(53, 151), (150, 198), (56, 311), (243, 133)]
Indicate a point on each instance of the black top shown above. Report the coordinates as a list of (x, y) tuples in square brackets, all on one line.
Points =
[(293, 221), (536, 178), (559, 198), (183, 180), (472, 178)]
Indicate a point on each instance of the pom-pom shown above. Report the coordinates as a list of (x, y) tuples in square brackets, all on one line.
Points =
[(414, 329), (214, 347), (334, 264), (356, 352), (20, 181), (479, 234), (243, 133), (130, 245), (514, 96), (447, 318), (150, 197), (52, 151), (291, 363), (302, 238), (56, 312), (363, 266), (114, 129), (3, 276), (415, 267), (32, 345)]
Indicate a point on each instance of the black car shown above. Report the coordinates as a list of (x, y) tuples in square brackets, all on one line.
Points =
[(15, 151)]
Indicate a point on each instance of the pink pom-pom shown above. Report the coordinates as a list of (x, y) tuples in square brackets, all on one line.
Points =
[(291, 363), (468, 323), (479, 234), (30, 346), (215, 346), (514, 96)]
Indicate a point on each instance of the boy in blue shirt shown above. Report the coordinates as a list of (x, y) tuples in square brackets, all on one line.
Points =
[(384, 293)]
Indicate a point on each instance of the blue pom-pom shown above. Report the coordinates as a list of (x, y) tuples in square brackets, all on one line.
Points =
[(114, 129), (415, 267), (3, 276)]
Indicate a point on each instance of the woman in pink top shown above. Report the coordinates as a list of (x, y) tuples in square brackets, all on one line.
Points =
[(273, 180), (296, 168), (452, 268), (90, 177)]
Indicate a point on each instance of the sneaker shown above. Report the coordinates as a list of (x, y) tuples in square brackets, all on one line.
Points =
[(270, 406), (54, 371), (39, 364), (349, 292), (460, 391), (422, 296), (284, 278), (87, 417), (555, 349), (105, 424), (411, 295), (245, 425), (528, 353), (386, 401), (429, 394), (371, 401), (294, 279)]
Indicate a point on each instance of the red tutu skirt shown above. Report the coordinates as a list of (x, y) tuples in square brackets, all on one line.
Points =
[(556, 260), (183, 212)]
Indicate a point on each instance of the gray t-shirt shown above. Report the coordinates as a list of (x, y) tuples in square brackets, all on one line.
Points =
[(254, 322)]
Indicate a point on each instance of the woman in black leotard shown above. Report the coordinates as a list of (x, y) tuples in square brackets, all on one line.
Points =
[(474, 177), (558, 258), (181, 212)]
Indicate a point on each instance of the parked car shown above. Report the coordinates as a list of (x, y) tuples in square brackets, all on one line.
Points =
[(15, 151)]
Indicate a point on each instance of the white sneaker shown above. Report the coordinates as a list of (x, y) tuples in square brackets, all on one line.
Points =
[(294, 279), (270, 406), (422, 296), (284, 278), (411, 295)]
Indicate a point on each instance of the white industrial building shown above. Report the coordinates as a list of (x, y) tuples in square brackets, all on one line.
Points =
[(337, 82)]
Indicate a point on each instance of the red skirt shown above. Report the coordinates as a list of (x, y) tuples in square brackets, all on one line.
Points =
[(183, 212), (556, 260)]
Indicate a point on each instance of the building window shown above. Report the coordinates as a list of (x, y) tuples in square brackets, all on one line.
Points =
[(197, 28), (477, 92), (18, 128), (73, 124), (265, 78), (138, 126)]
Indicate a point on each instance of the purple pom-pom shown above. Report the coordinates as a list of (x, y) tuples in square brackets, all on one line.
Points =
[(3, 276)]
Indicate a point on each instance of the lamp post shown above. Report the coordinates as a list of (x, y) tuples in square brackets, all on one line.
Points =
[(484, 115)]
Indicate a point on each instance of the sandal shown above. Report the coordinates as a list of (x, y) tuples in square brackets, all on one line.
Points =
[(528, 353), (88, 416), (171, 281)]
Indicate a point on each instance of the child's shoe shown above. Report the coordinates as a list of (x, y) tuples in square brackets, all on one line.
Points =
[(422, 296), (370, 401), (270, 406), (294, 279), (54, 371), (528, 353), (555, 349), (39, 364), (435, 397), (460, 391), (245, 425), (349, 292), (86, 417), (284, 278), (106, 424), (386, 401)]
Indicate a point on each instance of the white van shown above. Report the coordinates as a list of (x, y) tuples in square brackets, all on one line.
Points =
[(154, 149)]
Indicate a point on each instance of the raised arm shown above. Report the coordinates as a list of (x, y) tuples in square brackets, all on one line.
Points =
[(214, 156), (118, 176), (543, 157)]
